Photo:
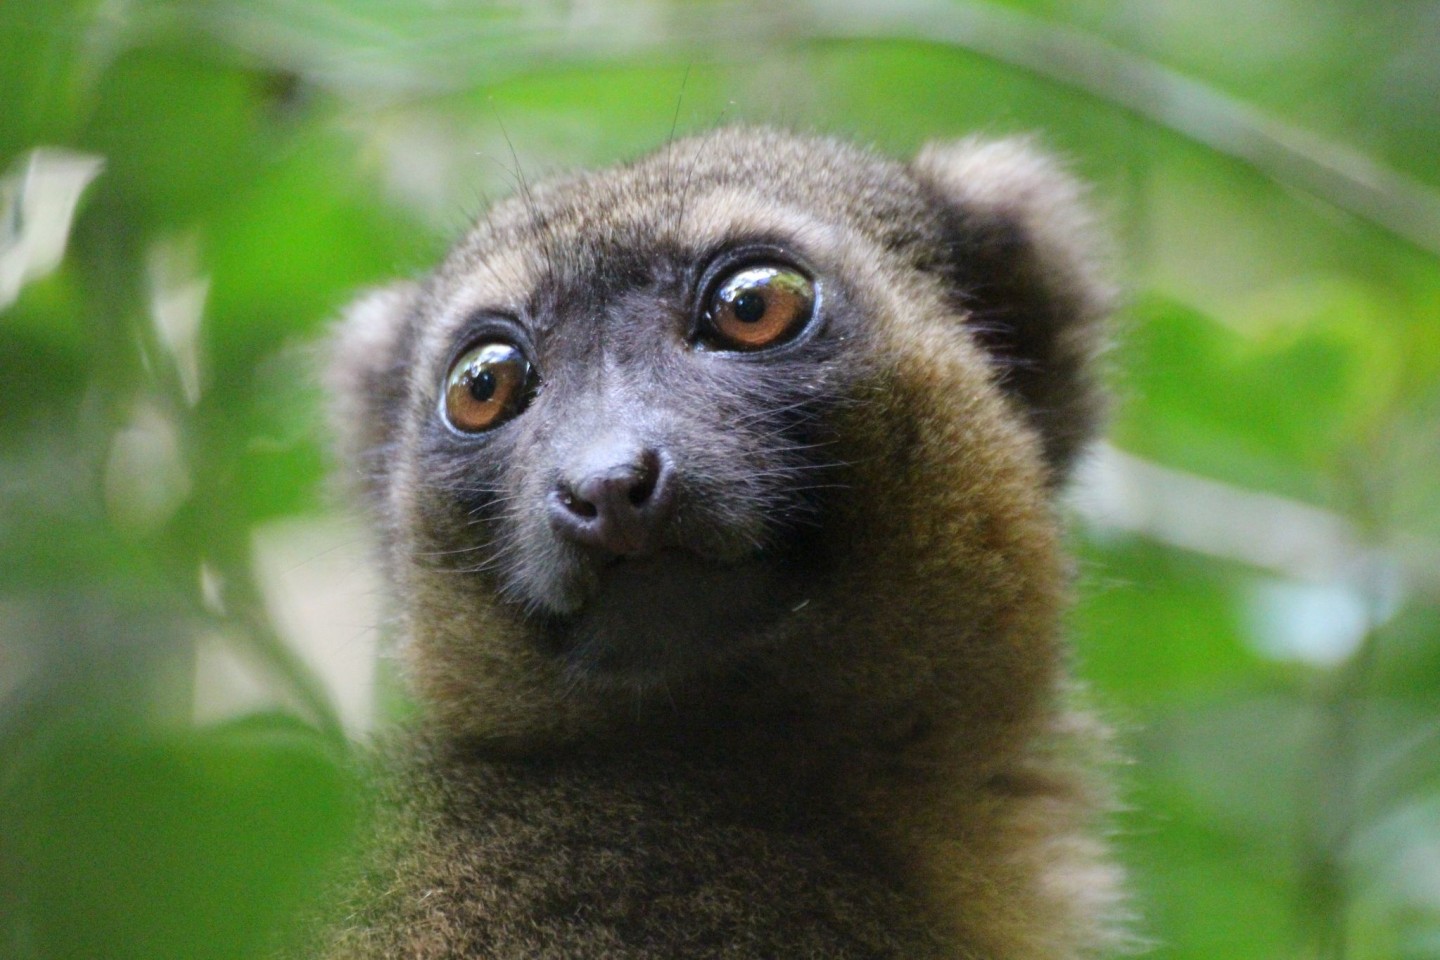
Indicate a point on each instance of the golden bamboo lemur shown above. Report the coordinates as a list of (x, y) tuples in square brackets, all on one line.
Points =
[(715, 495)]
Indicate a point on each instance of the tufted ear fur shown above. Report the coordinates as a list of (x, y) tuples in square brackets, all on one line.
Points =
[(1024, 264), (366, 380)]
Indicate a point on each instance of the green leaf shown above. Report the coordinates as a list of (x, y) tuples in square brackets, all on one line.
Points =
[(195, 845)]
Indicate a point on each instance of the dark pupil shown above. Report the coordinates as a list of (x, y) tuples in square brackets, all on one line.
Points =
[(749, 307), (482, 385)]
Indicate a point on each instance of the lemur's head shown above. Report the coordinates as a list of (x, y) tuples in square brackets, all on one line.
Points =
[(756, 425)]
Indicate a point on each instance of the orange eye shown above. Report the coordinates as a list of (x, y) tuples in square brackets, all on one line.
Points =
[(758, 306), (487, 386)]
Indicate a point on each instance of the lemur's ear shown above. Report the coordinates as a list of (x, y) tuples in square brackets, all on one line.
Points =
[(1024, 265), (367, 359)]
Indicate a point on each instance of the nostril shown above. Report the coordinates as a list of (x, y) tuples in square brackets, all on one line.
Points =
[(581, 508), (644, 482)]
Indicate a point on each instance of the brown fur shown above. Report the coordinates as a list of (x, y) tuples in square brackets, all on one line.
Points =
[(887, 769)]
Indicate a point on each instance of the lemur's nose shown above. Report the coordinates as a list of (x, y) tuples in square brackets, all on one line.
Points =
[(619, 502)]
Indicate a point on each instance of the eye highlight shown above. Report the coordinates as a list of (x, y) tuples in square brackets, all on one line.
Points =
[(759, 306), (488, 385)]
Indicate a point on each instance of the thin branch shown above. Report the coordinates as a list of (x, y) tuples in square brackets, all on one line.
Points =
[(1289, 155), (1118, 491)]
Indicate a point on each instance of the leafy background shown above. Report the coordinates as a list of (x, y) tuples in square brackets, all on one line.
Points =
[(191, 190)]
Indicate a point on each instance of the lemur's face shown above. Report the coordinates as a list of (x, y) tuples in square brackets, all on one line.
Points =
[(734, 398), (634, 439), (626, 407)]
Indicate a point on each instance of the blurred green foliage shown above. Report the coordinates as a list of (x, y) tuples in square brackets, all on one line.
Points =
[(1260, 590)]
